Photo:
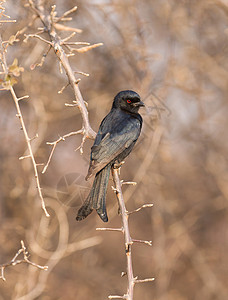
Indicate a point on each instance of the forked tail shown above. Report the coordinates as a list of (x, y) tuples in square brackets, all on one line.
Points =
[(97, 196)]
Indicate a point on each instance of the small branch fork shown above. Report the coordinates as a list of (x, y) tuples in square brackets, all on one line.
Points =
[(128, 240), (54, 144), (15, 261)]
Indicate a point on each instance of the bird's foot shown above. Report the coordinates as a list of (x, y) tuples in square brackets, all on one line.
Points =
[(117, 165)]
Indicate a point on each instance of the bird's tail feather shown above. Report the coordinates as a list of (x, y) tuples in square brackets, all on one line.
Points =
[(97, 196)]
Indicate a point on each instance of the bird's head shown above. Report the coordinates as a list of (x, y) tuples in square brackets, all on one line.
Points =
[(128, 100)]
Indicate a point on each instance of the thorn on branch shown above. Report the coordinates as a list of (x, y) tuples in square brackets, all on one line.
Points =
[(8, 21), (67, 19), (80, 148), (63, 88), (75, 103), (77, 81), (128, 182), (67, 28), (24, 97), (87, 48), (35, 137), (53, 13), (76, 43), (70, 104), (23, 157), (82, 73), (110, 229), (68, 38), (70, 54), (141, 207), (114, 189), (144, 280), (66, 14), (149, 243), (117, 297)]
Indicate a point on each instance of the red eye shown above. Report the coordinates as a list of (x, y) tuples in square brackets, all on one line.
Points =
[(128, 101)]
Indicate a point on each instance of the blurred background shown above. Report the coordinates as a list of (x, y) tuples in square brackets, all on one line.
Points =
[(174, 54)]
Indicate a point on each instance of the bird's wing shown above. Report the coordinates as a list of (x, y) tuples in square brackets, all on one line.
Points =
[(110, 143)]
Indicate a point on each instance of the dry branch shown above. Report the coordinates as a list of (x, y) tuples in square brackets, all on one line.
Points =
[(56, 42), (50, 26), (127, 237), (14, 261), (6, 70)]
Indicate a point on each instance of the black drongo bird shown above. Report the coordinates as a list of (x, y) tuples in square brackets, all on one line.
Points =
[(115, 139)]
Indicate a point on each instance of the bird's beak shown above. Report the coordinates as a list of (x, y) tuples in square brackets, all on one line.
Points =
[(140, 104)]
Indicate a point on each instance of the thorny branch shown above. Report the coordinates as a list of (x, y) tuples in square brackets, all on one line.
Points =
[(20, 116), (128, 240), (50, 26), (15, 261), (127, 237), (31, 155)]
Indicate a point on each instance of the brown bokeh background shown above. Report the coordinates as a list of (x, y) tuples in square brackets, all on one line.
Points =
[(176, 50)]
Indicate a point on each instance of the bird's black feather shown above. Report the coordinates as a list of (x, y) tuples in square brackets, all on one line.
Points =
[(115, 139)]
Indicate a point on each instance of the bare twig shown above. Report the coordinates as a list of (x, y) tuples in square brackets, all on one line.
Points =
[(66, 14), (8, 21), (27, 36), (110, 229), (144, 280), (54, 144), (117, 297), (82, 73), (67, 28), (68, 37), (20, 116), (14, 261), (87, 48), (63, 88), (138, 209), (142, 241), (128, 182), (23, 97)]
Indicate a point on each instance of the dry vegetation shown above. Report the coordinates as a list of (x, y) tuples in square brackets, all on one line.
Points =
[(176, 50)]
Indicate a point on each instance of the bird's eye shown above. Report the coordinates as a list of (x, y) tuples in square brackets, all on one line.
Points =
[(128, 101)]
